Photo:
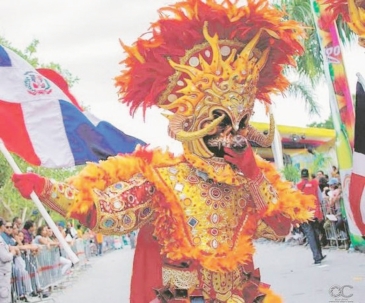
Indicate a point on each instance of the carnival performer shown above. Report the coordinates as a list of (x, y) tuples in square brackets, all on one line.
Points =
[(198, 213)]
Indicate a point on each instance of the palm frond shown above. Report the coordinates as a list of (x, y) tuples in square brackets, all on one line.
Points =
[(300, 89)]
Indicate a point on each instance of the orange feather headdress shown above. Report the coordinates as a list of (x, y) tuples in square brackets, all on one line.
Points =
[(151, 76)]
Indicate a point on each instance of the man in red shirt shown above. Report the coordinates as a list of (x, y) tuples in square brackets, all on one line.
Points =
[(312, 228)]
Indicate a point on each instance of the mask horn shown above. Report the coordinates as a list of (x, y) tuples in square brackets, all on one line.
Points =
[(263, 140), (176, 130)]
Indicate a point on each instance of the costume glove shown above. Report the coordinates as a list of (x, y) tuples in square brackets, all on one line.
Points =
[(28, 182), (244, 161)]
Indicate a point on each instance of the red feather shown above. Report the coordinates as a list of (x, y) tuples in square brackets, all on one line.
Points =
[(180, 28)]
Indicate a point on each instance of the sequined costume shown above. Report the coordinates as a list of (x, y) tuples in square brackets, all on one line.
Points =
[(205, 63), (203, 223)]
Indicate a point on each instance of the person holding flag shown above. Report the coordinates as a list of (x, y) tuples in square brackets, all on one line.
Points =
[(199, 212)]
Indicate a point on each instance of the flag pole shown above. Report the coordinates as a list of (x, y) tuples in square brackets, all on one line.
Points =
[(40, 207)]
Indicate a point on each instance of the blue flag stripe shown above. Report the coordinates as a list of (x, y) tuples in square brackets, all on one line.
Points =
[(4, 57), (90, 143)]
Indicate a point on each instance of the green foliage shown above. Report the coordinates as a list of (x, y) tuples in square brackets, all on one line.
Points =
[(310, 66), (346, 34), (29, 54), (328, 124), (301, 89), (321, 161), (14, 204), (4, 167), (291, 173)]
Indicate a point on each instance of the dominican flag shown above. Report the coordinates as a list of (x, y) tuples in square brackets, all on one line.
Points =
[(42, 122), (357, 184)]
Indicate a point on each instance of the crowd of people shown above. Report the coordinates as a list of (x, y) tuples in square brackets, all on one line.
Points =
[(329, 224), (21, 244)]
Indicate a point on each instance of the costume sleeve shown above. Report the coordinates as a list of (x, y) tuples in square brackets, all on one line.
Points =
[(262, 192), (119, 209), (271, 226)]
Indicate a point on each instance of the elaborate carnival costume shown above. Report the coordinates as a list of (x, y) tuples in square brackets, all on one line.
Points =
[(198, 213)]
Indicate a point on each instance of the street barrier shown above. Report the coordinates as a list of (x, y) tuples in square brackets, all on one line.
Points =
[(35, 273)]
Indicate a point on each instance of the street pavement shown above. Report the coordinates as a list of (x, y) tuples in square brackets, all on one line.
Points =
[(289, 269)]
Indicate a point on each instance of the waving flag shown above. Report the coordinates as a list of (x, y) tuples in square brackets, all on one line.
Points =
[(41, 121), (357, 184)]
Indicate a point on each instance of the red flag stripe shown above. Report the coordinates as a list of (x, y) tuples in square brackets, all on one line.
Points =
[(357, 200), (14, 133)]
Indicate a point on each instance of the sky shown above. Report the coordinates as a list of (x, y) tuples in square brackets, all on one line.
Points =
[(83, 37)]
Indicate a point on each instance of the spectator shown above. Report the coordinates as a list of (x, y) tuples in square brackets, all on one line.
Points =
[(132, 239), (21, 275), (90, 236), (18, 222), (312, 228), (322, 183), (319, 174), (50, 236), (61, 229), (66, 264), (323, 187), (334, 205), (79, 232), (28, 231), (7, 234), (99, 243), (42, 237), (70, 230), (7, 254), (335, 173), (70, 241), (19, 238)]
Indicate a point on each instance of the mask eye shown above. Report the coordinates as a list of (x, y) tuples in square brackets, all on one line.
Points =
[(226, 121), (244, 122)]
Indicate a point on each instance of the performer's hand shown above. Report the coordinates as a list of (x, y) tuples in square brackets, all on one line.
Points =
[(244, 161), (26, 183)]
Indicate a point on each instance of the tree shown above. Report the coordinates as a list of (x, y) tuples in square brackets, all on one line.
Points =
[(328, 124), (310, 65), (29, 54), (321, 161)]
